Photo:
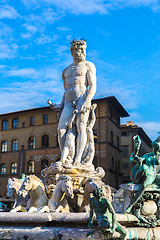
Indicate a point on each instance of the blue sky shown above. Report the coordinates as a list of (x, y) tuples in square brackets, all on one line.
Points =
[(123, 41)]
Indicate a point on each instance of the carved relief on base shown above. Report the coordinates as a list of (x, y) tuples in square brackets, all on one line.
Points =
[(146, 209)]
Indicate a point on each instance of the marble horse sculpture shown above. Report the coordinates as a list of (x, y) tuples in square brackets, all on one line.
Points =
[(63, 190), (90, 184), (35, 187), (20, 202), (59, 199)]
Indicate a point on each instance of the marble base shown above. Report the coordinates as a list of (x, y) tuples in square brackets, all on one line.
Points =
[(64, 226)]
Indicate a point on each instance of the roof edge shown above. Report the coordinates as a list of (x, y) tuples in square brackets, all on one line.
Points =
[(111, 99)]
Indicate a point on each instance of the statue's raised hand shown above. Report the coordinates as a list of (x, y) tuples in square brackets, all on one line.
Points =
[(55, 106), (137, 139), (137, 144)]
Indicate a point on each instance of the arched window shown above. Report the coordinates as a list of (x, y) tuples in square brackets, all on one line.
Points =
[(31, 166), (14, 145), (45, 141), (44, 164), (15, 123), (4, 146), (5, 125), (31, 142), (3, 168), (14, 168)]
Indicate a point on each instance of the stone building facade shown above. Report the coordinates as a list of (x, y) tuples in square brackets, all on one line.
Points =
[(128, 131), (29, 141)]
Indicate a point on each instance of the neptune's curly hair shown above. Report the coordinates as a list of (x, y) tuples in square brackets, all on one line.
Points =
[(75, 43)]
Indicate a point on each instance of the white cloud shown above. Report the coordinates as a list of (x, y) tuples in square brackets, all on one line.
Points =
[(63, 29), (61, 49), (69, 37), (24, 47), (8, 45), (94, 57), (7, 11), (24, 73), (3, 66), (93, 6), (46, 39), (31, 30), (28, 57), (5, 32), (151, 128), (128, 95), (46, 16), (136, 3), (49, 15), (35, 25), (75, 7), (8, 50), (125, 94), (46, 73), (104, 32), (17, 96), (116, 4)]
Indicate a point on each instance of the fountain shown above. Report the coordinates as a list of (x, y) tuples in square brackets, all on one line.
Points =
[(73, 190)]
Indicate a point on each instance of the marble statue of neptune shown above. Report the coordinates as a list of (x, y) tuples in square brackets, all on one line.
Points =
[(79, 80)]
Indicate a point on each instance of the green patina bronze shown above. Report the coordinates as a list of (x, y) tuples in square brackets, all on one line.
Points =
[(145, 172), (105, 215)]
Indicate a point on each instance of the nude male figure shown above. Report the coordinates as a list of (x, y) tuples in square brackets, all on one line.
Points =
[(105, 215), (79, 81)]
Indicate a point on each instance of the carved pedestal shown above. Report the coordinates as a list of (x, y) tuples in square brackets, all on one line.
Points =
[(147, 208)]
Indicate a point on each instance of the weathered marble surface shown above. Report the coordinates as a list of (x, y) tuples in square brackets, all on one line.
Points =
[(44, 233), (45, 226), (48, 233), (79, 80), (38, 217)]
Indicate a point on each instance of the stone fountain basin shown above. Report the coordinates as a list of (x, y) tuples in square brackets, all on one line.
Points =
[(64, 226)]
